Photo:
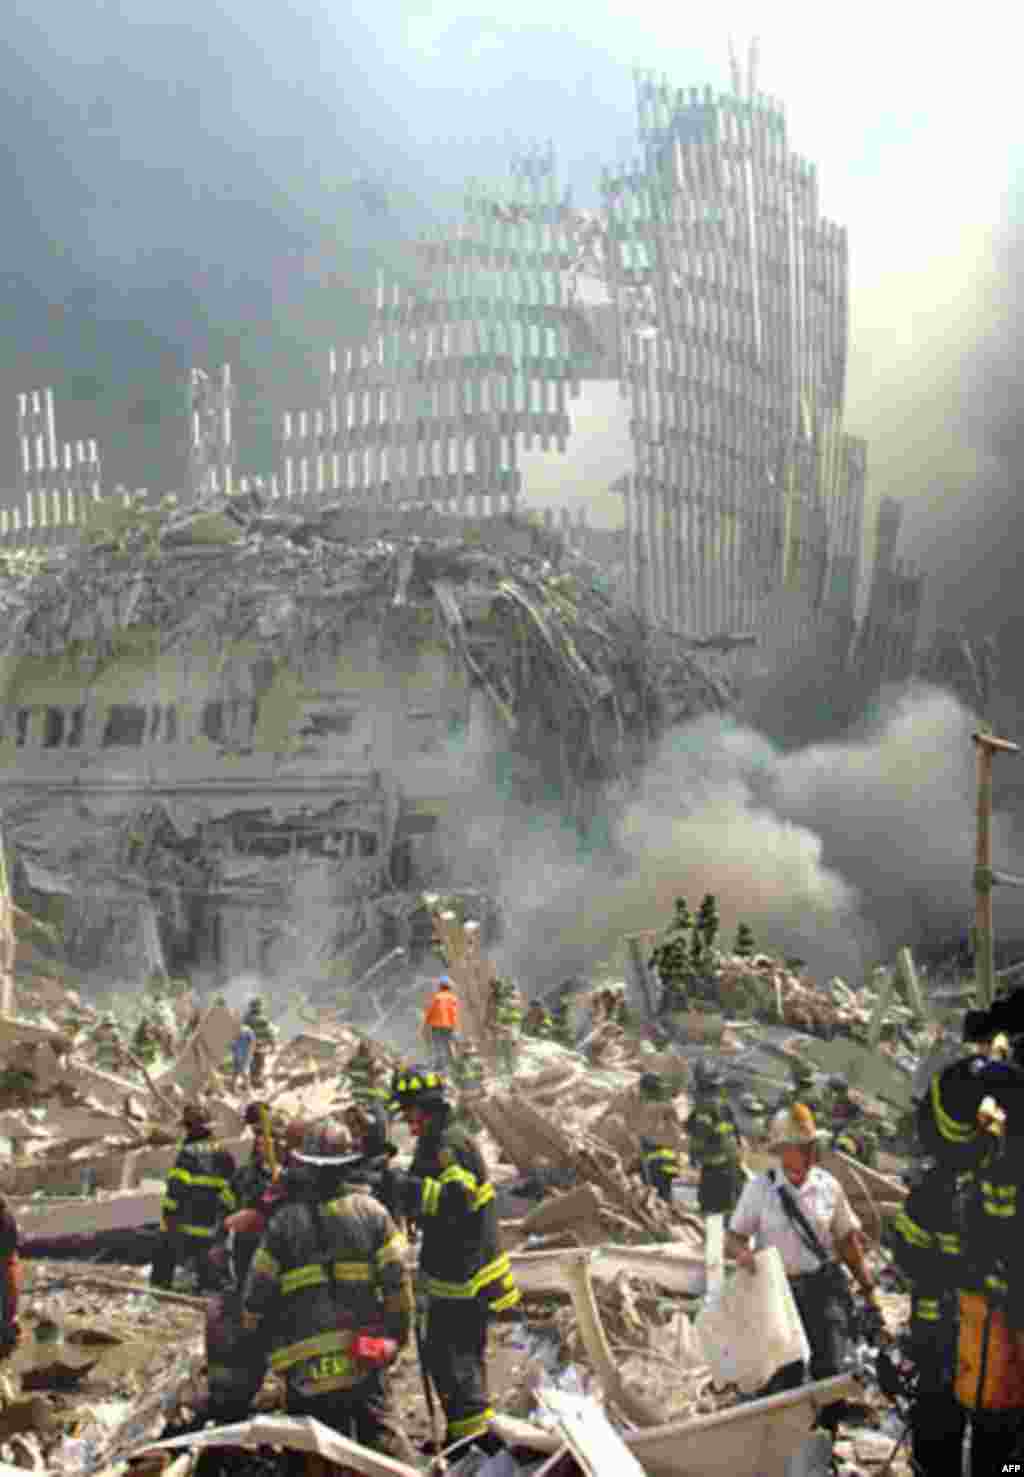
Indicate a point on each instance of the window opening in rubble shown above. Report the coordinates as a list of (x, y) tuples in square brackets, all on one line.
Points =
[(368, 844), (213, 722), (126, 727), (53, 728), (74, 739), (21, 727)]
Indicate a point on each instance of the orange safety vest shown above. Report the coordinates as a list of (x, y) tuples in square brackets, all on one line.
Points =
[(443, 1010)]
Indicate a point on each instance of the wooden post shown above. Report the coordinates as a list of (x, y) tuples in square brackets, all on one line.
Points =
[(984, 952)]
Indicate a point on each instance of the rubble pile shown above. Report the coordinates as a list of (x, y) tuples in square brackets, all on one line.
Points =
[(611, 1275), (542, 641)]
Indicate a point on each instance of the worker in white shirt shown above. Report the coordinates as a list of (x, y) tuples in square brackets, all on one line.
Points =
[(804, 1213)]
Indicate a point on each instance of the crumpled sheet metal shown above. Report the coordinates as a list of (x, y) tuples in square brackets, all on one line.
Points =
[(294, 1433), (752, 1440)]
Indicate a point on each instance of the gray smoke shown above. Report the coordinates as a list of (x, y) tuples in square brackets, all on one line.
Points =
[(838, 853)]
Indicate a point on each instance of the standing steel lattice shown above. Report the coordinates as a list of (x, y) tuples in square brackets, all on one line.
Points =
[(744, 510), (211, 444)]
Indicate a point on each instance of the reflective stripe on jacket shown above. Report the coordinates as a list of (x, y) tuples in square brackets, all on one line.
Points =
[(310, 1323), (198, 1193), (451, 1197)]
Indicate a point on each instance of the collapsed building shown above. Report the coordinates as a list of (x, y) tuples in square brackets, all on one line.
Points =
[(230, 737)]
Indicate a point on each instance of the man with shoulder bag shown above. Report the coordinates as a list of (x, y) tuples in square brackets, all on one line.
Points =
[(804, 1213)]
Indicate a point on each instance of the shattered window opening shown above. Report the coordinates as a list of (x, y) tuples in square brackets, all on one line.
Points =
[(126, 727), (213, 722), (53, 728), (21, 727), (74, 739)]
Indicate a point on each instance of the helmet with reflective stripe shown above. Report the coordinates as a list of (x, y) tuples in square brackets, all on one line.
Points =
[(419, 1087)]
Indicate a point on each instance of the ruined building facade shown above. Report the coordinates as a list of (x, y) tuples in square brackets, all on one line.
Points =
[(707, 291), (747, 498)]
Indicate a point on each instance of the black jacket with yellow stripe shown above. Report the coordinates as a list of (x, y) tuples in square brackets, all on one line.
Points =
[(994, 1207), (448, 1193), (322, 1274), (198, 1193), (927, 1246), (713, 1133)]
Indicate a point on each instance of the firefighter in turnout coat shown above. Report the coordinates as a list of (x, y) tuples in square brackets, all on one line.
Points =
[(465, 1277), (715, 1144), (654, 1119), (197, 1198), (329, 1288)]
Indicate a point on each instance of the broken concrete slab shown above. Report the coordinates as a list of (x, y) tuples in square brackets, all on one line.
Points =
[(203, 1053), (677, 1269), (78, 1217), (872, 1072), (561, 1212)]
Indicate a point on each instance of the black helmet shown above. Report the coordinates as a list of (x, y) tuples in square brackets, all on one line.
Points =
[(651, 1086), (838, 1083), (419, 1087)]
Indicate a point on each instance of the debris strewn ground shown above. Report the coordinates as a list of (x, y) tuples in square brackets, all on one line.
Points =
[(97, 1376)]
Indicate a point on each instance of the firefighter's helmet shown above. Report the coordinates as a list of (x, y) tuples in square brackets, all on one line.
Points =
[(419, 1087)]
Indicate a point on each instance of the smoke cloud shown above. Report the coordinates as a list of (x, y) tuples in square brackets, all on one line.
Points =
[(837, 853)]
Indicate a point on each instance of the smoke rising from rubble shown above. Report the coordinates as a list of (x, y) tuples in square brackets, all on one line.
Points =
[(836, 853)]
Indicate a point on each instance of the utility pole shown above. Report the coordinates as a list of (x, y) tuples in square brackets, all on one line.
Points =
[(985, 879)]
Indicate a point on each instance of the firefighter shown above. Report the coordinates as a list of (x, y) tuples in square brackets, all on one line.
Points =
[(329, 1287), (366, 1075), (197, 1197), (928, 1250), (505, 1016), (465, 1277), (441, 1024), (144, 1043), (107, 1044), (852, 1133), (655, 1119), (561, 1021), (715, 1144), (972, 1120), (265, 1036), (803, 1091), (253, 1180), (538, 1022)]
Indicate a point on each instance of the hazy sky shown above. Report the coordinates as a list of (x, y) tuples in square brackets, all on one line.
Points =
[(180, 183)]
